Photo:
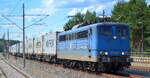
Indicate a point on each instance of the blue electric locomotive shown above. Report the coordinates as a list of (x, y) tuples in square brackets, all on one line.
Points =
[(97, 47)]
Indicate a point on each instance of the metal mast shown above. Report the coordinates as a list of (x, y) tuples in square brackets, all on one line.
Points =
[(23, 36)]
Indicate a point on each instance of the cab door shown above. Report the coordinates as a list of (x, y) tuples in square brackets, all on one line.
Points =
[(105, 34), (122, 35)]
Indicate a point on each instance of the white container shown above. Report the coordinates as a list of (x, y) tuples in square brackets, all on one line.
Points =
[(49, 46), (30, 46), (14, 49), (17, 48), (21, 48), (26, 46), (38, 45)]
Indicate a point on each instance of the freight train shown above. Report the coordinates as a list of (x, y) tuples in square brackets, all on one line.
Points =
[(96, 47)]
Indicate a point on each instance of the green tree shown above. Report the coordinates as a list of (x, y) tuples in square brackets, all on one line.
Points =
[(135, 13), (120, 12), (80, 18), (3, 44), (89, 16), (147, 30)]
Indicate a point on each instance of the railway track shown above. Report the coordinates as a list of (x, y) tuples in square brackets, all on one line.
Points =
[(139, 68), (19, 71), (2, 74), (107, 75), (141, 59), (13, 70), (140, 64), (120, 76)]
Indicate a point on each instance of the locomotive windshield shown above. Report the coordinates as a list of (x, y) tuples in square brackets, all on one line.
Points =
[(106, 30), (121, 31)]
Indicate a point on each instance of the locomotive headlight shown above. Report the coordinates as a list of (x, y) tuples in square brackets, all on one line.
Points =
[(123, 53), (106, 53), (103, 53), (114, 37)]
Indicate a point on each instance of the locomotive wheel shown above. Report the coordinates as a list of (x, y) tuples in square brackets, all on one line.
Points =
[(100, 67)]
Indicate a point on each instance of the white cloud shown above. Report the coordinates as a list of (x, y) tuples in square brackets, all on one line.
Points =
[(77, 5), (41, 11), (86, 9), (63, 3), (48, 7), (80, 1), (91, 9), (48, 2), (93, 0), (127, 0), (98, 8), (74, 11)]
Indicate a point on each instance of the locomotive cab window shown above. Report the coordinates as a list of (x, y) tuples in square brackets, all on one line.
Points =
[(122, 31), (105, 30)]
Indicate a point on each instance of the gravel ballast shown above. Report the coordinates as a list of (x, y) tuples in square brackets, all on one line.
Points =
[(39, 69)]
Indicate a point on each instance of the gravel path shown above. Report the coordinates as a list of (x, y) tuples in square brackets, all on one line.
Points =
[(44, 70)]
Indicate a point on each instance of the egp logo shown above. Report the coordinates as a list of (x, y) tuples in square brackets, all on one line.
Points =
[(49, 43), (38, 44)]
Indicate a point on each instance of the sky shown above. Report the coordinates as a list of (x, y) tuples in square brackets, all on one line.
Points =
[(58, 11)]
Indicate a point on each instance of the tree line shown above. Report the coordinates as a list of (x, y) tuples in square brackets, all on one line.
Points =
[(4, 42)]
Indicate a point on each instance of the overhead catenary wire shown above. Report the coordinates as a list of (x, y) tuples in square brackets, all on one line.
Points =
[(37, 21), (7, 24), (15, 6), (23, 29), (11, 22), (25, 14)]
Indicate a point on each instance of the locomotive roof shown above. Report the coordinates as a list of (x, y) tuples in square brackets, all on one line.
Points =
[(90, 26)]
